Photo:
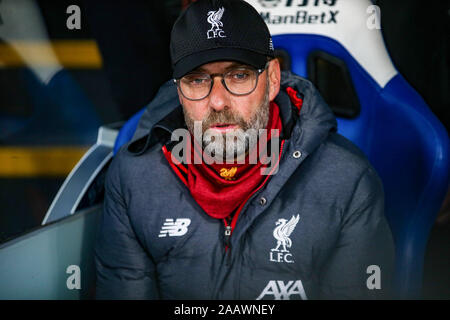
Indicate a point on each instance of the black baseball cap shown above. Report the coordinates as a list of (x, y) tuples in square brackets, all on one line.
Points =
[(215, 30)]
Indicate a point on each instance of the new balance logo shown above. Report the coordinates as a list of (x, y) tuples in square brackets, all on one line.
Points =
[(175, 228), (279, 290)]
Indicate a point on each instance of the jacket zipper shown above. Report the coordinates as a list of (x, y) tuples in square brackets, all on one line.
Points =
[(229, 227), (227, 242)]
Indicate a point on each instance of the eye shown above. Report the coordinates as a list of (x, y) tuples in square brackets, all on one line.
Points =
[(239, 75), (196, 79)]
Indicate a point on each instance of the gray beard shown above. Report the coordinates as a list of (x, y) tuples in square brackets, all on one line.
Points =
[(229, 146)]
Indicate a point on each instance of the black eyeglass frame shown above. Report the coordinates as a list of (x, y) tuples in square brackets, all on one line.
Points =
[(222, 75)]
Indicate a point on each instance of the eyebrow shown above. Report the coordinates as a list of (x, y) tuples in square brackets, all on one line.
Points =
[(231, 66)]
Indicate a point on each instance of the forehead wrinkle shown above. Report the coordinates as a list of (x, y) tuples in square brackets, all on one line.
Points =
[(231, 66)]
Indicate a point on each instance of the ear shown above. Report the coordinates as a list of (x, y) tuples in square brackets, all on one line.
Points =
[(274, 74)]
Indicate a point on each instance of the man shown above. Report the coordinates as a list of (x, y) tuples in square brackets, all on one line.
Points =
[(303, 221)]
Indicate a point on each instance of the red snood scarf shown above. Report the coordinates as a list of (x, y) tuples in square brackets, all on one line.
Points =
[(220, 189)]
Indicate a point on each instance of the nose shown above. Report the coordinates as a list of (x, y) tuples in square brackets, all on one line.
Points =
[(218, 98)]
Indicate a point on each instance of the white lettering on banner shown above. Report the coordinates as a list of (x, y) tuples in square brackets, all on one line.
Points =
[(301, 17), (304, 3), (269, 3), (296, 3), (283, 291)]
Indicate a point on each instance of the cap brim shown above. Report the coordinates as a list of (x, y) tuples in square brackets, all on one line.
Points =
[(197, 59)]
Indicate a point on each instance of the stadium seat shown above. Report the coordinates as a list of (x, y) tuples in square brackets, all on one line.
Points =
[(127, 131), (340, 47)]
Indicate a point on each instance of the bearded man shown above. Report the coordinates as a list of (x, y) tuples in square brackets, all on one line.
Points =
[(236, 184)]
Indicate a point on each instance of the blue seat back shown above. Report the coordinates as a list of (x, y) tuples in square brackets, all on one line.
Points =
[(402, 138), (127, 131)]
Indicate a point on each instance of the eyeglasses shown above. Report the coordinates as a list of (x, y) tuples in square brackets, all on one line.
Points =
[(239, 81)]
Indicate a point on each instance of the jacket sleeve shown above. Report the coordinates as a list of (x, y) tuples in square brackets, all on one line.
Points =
[(124, 268), (362, 262)]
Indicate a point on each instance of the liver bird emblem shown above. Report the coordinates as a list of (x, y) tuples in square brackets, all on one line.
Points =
[(283, 231), (214, 19), (228, 174)]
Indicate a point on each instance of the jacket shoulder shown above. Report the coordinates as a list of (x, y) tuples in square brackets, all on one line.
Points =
[(345, 153), (352, 163), (130, 171), (341, 171)]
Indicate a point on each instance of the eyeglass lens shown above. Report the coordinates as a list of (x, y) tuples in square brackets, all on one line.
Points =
[(238, 81)]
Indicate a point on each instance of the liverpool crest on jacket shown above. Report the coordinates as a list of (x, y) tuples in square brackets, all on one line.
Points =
[(281, 233)]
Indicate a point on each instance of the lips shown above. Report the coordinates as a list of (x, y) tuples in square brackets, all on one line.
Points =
[(223, 127)]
